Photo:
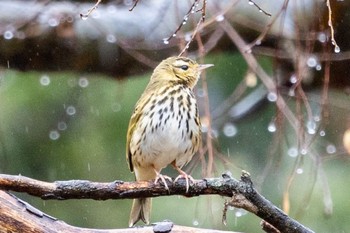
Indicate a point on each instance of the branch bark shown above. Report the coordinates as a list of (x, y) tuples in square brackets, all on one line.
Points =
[(242, 193)]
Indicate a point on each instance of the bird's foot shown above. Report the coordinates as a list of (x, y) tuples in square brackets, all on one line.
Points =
[(187, 177), (163, 178)]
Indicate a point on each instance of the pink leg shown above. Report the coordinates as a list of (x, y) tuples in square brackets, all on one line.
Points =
[(163, 178), (183, 175)]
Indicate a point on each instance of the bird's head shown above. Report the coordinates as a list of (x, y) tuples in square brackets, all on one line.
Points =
[(179, 70)]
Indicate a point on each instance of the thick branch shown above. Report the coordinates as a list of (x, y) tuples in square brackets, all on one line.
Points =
[(14, 219), (242, 192)]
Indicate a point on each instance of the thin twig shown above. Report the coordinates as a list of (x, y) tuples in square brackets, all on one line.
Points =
[(133, 6), (330, 24), (85, 16), (250, 2), (192, 10)]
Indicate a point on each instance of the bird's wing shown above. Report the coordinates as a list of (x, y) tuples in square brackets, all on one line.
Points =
[(132, 125), (135, 120)]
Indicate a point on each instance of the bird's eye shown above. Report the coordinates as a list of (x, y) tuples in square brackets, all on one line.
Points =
[(184, 67)]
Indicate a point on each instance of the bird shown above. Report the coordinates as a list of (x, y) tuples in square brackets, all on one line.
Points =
[(164, 128)]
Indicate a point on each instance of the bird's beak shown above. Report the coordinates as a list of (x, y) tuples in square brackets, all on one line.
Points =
[(204, 66)]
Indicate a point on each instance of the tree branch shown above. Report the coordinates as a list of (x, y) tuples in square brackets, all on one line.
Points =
[(242, 193)]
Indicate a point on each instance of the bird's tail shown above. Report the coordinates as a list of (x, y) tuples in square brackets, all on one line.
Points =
[(141, 209)]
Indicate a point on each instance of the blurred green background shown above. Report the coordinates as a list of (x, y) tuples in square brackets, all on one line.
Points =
[(65, 125), (68, 87)]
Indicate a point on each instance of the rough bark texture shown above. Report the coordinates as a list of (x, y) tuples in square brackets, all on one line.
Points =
[(242, 193)]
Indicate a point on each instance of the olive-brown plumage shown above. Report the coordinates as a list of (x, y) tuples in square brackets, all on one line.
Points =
[(165, 127)]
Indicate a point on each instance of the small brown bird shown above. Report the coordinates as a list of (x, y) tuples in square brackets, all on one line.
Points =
[(164, 128)]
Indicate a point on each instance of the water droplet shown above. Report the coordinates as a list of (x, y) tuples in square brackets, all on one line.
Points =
[(240, 212), (292, 152), (165, 41), (174, 35), (83, 82), (8, 35), (45, 80), (229, 130), (272, 127), (116, 107), (321, 37), (336, 49), (293, 79), (195, 223), (184, 22), (299, 171), (272, 96), (84, 17), (251, 3), (303, 151), (53, 22), (311, 61), (54, 134), (62, 125), (71, 110), (318, 67), (110, 38), (331, 149), (322, 133), (311, 127), (258, 42), (219, 18)]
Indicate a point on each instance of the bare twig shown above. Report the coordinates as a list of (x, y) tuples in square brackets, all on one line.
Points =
[(85, 16), (330, 24), (134, 5), (250, 2)]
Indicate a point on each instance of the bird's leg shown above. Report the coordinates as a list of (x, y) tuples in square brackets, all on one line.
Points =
[(163, 178), (183, 175)]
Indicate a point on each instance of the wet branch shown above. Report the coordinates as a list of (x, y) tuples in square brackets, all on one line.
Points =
[(242, 193)]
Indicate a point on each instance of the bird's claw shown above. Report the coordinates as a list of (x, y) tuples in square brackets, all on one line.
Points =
[(187, 178), (163, 178)]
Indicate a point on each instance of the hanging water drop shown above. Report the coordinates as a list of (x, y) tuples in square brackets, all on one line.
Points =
[(336, 49), (272, 96), (84, 17), (272, 127)]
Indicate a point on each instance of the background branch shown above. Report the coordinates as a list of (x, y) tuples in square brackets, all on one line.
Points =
[(242, 193)]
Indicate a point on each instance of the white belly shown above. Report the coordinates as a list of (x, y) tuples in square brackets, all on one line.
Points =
[(167, 135)]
